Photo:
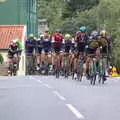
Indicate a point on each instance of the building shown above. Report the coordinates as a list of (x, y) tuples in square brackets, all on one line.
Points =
[(18, 18), (42, 25), (15, 12), (8, 33)]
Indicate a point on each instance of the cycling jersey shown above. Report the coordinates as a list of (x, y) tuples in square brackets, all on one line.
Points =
[(67, 45), (30, 45), (47, 44), (12, 50), (57, 41), (81, 37), (39, 45), (81, 40)]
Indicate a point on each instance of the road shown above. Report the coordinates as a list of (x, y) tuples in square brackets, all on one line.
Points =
[(47, 98)]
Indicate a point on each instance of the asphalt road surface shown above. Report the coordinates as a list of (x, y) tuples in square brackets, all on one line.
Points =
[(47, 98)]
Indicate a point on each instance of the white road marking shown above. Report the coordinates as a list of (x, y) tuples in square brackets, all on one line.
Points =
[(39, 81), (75, 111), (59, 96), (48, 86)]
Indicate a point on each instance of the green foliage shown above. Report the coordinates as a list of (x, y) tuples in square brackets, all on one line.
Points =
[(1, 58)]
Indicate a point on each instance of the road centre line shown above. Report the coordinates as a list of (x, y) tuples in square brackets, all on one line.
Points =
[(37, 80), (75, 111), (48, 86), (59, 96)]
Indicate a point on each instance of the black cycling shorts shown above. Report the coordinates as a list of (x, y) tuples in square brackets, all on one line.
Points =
[(57, 49), (67, 49), (39, 50), (10, 56), (91, 50), (81, 47), (104, 50)]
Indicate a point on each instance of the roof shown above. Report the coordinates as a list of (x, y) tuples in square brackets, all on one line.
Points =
[(8, 33)]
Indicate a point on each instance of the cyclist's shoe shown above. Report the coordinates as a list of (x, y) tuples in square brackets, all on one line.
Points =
[(75, 76), (51, 67), (37, 68), (9, 73)]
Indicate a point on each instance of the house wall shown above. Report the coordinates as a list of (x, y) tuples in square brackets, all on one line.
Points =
[(4, 66), (19, 12)]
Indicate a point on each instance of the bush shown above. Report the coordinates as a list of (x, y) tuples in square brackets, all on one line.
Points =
[(1, 59)]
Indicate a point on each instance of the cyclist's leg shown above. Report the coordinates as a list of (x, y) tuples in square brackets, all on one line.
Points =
[(38, 57), (10, 60)]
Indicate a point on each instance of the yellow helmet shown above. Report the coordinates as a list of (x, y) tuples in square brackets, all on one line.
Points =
[(67, 36), (103, 33)]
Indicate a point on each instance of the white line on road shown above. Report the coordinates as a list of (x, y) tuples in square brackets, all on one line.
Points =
[(75, 111), (39, 81), (59, 96), (48, 86)]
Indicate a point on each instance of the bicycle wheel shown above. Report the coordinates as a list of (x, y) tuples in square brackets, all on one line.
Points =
[(57, 74), (80, 70), (66, 66), (57, 68), (102, 71), (93, 77)]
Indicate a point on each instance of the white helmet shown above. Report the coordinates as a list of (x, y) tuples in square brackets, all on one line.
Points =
[(13, 41), (103, 33)]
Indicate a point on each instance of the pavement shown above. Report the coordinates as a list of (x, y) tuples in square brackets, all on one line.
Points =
[(47, 98)]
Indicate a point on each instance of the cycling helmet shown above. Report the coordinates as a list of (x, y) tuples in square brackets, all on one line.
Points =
[(83, 29), (42, 36), (94, 34), (31, 35), (67, 36), (103, 33), (14, 41)]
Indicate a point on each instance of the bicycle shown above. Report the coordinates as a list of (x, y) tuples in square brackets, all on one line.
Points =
[(80, 68), (57, 65), (93, 69), (66, 65), (31, 64), (14, 64), (102, 68)]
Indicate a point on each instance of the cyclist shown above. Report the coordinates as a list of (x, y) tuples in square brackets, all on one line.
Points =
[(93, 42), (106, 42), (57, 44), (39, 47), (30, 45), (92, 48), (67, 43), (81, 40), (46, 47), (12, 54), (46, 42), (57, 40)]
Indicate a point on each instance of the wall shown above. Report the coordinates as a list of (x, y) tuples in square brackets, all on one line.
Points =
[(19, 12), (4, 66)]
